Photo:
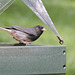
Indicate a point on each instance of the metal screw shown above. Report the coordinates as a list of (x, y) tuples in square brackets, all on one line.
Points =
[(64, 52), (64, 66)]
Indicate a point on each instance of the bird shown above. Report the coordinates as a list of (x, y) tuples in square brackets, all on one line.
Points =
[(24, 35)]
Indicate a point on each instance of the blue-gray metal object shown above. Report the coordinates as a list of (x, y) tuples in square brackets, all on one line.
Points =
[(4, 4), (34, 59)]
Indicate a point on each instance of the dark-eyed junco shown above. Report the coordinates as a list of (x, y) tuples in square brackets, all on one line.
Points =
[(25, 34)]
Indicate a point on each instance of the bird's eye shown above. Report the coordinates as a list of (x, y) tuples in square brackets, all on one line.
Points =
[(41, 27)]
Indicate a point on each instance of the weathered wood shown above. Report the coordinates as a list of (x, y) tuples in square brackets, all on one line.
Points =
[(34, 59)]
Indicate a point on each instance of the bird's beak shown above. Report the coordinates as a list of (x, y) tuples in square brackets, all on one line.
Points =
[(43, 29)]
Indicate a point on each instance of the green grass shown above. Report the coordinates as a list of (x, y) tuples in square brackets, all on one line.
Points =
[(62, 13)]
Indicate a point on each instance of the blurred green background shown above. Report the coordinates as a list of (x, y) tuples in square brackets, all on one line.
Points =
[(62, 13)]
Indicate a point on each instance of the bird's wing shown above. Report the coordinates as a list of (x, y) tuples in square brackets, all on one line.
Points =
[(28, 30)]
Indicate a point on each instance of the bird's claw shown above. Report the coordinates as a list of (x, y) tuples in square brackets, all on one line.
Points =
[(24, 43), (28, 42)]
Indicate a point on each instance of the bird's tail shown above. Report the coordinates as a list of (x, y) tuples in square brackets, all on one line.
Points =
[(2, 28)]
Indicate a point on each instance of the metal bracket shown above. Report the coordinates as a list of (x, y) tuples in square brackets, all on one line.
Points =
[(33, 59)]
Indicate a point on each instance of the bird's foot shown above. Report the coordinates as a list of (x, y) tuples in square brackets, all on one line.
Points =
[(21, 44), (27, 42)]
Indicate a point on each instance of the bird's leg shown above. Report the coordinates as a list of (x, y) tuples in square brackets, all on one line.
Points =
[(23, 41), (27, 43)]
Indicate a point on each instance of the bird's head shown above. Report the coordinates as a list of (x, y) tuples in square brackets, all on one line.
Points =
[(38, 31), (41, 28)]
